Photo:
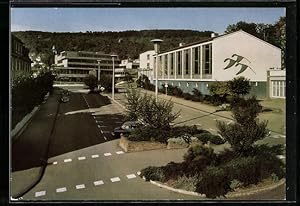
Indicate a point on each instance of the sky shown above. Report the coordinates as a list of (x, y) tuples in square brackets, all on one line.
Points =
[(121, 19)]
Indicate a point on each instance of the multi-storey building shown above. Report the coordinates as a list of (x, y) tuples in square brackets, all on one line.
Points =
[(20, 61), (146, 64), (74, 66), (127, 66), (219, 58)]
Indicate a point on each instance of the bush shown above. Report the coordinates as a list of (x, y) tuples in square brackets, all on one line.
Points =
[(186, 183), (187, 96), (247, 129), (148, 133), (244, 169), (153, 173), (172, 170), (197, 95), (239, 86), (91, 81), (177, 92), (213, 182), (235, 184), (200, 152)]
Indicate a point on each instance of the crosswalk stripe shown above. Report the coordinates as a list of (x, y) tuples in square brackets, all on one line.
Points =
[(78, 187), (62, 189), (120, 152), (95, 156), (99, 182), (68, 160), (131, 176), (115, 179), (81, 158), (40, 193), (107, 154)]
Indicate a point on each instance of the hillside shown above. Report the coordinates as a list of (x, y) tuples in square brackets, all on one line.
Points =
[(125, 43)]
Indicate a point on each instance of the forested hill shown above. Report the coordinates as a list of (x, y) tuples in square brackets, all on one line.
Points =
[(124, 43)]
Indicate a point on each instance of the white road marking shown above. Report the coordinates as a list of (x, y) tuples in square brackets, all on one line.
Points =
[(55, 163), (99, 182), (86, 102), (94, 117), (131, 176), (281, 156), (103, 126), (105, 138), (95, 156), (138, 173), (62, 189), (101, 131), (115, 179), (98, 126), (78, 187), (120, 152), (107, 154), (68, 160), (40, 193), (81, 158)]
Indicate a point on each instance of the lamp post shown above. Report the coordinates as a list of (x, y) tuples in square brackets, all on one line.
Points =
[(98, 72), (113, 77), (156, 43)]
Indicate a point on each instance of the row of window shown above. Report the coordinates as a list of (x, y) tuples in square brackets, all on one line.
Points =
[(20, 65), (197, 60), (278, 88), (91, 61), (90, 66)]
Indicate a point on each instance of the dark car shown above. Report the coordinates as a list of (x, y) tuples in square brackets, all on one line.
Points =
[(126, 128), (65, 99)]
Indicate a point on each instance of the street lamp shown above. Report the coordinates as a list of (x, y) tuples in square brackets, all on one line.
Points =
[(98, 72), (113, 76), (156, 43)]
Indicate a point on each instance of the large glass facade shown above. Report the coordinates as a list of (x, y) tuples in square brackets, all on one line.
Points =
[(187, 61), (207, 58), (196, 53), (179, 62), (166, 64)]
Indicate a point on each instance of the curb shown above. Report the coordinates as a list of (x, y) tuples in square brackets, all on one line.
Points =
[(21, 126), (229, 195)]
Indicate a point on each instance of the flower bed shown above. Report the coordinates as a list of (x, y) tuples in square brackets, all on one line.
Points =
[(136, 146)]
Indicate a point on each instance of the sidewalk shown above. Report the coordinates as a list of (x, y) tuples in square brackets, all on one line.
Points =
[(28, 152)]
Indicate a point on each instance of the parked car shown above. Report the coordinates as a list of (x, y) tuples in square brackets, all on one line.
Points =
[(126, 127), (65, 99)]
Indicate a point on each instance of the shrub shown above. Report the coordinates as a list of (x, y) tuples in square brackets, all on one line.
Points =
[(199, 152), (91, 81), (187, 96), (177, 92), (244, 169), (153, 173), (234, 184), (213, 182), (186, 183), (178, 141), (239, 86), (219, 92), (247, 129), (172, 170), (148, 133), (197, 95)]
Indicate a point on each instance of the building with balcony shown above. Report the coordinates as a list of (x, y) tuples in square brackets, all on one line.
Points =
[(75, 66), (20, 61), (218, 58)]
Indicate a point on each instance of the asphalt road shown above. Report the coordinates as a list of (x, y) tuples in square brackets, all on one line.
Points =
[(86, 163)]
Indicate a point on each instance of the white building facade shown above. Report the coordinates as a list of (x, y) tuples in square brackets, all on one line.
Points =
[(219, 58), (146, 64)]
